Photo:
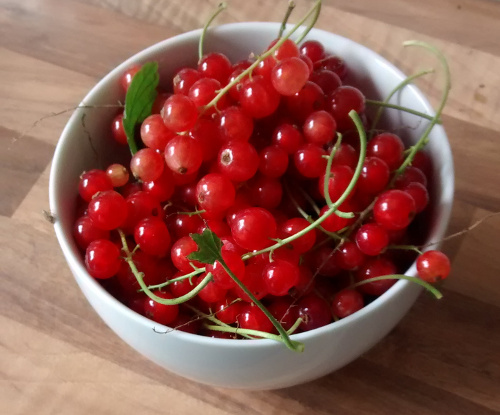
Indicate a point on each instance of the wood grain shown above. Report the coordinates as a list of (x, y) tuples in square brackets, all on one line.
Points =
[(58, 357)]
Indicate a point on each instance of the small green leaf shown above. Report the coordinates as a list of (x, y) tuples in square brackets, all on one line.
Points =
[(139, 100), (209, 247)]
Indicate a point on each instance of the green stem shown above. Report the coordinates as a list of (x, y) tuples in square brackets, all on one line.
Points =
[(398, 87), (219, 9), (269, 52), (291, 6), (406, 248), (311, 25), (138, 275), (196, 212), (253, 333), (295, 326), (293, 345), (182, 277), (400, 108), (328, 171), (434, 291), (335, 206), (437, 116)]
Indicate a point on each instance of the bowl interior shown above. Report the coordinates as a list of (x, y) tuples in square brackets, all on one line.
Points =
[(86, 140)]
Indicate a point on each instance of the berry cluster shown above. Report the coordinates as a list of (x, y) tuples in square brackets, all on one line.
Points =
[(255, 159)]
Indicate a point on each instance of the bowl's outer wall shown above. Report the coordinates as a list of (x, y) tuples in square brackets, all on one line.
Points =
[(259, 364)]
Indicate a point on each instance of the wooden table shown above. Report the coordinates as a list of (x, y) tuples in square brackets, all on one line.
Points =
[(57, 356)]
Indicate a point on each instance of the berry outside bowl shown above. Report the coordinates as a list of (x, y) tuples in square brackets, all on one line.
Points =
[(243, 364)]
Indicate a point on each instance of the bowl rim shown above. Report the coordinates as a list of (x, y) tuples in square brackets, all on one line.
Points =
[(66, 240)]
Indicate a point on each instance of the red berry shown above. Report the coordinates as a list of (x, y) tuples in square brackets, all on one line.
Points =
[(349, 257), (118, 131), (280, 277), (154, 133), (288, 137), (253, 227), (289, 76), (394, 209), (108, 210), (293, 226), (253, 318), (388, 147), (314, 311), (374, 176), (319, 128), (93, 182), (151, 234), (161, 313), (215, 193), (183, 155), (313, 49), (127, 77), (347, 302), (342, 101), (433, 266), (419, 194), (180, 251), (147, 164), (258, 98), (376, 267), (273, 161), (234, 124), (102, 259), (86, 232), (309, 160), (372, 239), (184, 80), (215, 65), (117, 174), (179, 113)]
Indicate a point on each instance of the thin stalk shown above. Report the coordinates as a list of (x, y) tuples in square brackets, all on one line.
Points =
[(406, 248), (398, 87), (292, 345), (437, 116), (400, 108), (342, 198), (219, 9), (269, 52), (291, 6), (182, 277), (248, 332), (328, 169), (310, 26), (139, 276), (434, 291)]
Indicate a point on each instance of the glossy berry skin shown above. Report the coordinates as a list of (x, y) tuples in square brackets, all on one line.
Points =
[(108, 210), (342, 101), (85, 232), (253, 227), (147, 164), (161, 313), (154, 133), (127, 77), (206, 134), (273, 161), (183, 155), (339, 180), (179, 113), (372, 239), (347, 302), (293, 226), (388, 147), (182, 225), (118, 131), (204, 91), (323, 261), (335, 223), (314, 311), (238, 160), (147, 265), (328, 81), (376, 267), (374, 176), (228, 311), (309, 99), (212, 292), (433, 266), (179, 252), (288, 137), (410, 175), (288, 49), (285, 311), (235, 264), (253, 318), (313, 49), (184, 80), (253, 281), (215, 65), (152, 235), (319, 128), (258, 98), (92, 182), (349, 257), (235, 124), (334, 64), (309, 161), (394, 209), (161, 188), (102, 259), (280, 277), (289, 76), (419, 194), (140, 205), (215, 193), (117, 174)]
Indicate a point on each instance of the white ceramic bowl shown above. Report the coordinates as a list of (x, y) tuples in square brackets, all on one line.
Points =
[(258, 364)]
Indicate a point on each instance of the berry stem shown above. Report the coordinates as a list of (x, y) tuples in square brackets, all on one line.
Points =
[(253, 333), (182, 277), (311, 24), (269, 52), (139, 276), (292, 345), (447, 86), (291, 6), (219, 9), (398, 87), (328, 170), (406, 248), (400, 108), (335, 206), (196, 212), (434, 291)]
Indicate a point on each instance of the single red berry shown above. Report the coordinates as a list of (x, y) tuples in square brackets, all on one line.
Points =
[(292, 227), (338, 182), (372, 239), (228, 311), (238, 160), (93, 182), (289, 76), (410, 175), (376, 267), (313, 49), (180, 251), (309, 99), (284, 310), (328, 81), (288, 137), (207, 135), (118, 130), (86, 232), (343, 100), (147, 164), (117, 174), (234, 263), (258, 98), (347, 302), (374, 176), (273, 161), (309, 161), (394, 209), (419, 194), (388, 147), (314, 311), (280, 277), (253, 227), (151, 234), (184, 80), (108, 210), (179, 113), (161, 313), (335, 223), (334, 64), (161, 188), (265, 192), (319, 128), (215, 65), (433, 266), (102, 259), (253, 318), (183, 155), (127, 77), (349, 256), (215, 193), (234, 124), (154, 133)]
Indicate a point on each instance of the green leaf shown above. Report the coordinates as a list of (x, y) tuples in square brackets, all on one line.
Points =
[(209, 247), (139, 100)]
